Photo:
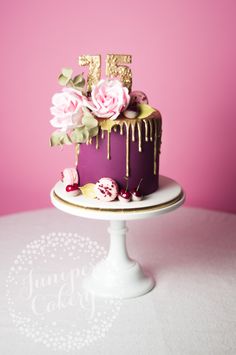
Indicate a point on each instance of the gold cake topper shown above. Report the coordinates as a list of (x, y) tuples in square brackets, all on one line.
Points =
[(94, 71), (115, 68)]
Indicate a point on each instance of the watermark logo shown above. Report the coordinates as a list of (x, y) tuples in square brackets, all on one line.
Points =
[(46, 298)]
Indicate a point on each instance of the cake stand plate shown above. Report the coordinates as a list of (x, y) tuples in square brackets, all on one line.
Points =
[(118, 275)]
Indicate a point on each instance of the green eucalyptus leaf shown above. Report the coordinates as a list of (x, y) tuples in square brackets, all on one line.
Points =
[(66, 139), (76, 135), (79, 135), (63, 80), (67, 72), (70, 83), (89, 121), (85, 134), (80, 85), (79, 80), (93, 132), (59, 138)]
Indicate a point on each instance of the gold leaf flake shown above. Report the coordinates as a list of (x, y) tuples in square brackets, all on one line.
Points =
[(88, 190), (145, 111)]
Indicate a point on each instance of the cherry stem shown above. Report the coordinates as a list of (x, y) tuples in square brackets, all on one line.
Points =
[(139, 184)]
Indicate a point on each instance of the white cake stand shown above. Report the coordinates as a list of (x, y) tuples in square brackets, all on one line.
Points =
[(118, 275)]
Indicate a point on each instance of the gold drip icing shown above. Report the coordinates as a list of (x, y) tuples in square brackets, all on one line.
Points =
[(155, 148), (150, 131), (77, 149), (90, 140), (146, 130), (139, 123), (121, 128), (127, 125), (159, 136), (108, 145), (97, 141), (133, 130)]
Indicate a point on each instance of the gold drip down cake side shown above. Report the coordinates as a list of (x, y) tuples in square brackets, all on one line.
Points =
[(124, 149)]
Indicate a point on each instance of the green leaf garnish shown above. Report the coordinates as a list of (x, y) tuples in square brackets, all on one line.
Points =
[(65, 76), (67, 72), (88, 119), (79, 80), (63, 80), (79, 135), (93, 132), (59, 138)]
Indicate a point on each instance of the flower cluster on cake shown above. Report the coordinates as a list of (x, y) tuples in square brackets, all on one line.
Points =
[(116, 133)]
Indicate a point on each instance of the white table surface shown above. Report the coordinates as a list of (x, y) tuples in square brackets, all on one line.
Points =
[(192, 309)]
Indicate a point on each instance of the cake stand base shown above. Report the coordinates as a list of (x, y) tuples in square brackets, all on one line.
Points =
[(118, 276)]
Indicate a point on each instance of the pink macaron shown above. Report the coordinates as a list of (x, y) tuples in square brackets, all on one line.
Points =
[(106, 189), (69, 176)]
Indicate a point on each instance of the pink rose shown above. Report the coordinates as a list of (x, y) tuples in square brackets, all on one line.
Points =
[(67, 109), (109, 98)]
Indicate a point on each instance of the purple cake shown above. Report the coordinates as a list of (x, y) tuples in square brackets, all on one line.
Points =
[(116, 133), (130, 150)]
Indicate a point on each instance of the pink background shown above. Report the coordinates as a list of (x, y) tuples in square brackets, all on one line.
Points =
[(184, 56)]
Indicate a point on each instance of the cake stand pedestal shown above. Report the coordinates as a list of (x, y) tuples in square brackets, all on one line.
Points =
[(118, 275)]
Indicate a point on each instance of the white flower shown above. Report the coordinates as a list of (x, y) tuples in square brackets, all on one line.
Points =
[(67, 109)]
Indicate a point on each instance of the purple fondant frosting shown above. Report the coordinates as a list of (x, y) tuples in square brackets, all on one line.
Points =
[(93, 163)]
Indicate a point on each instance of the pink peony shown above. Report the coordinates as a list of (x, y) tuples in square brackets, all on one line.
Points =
[(109, 98), (67, 109)]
